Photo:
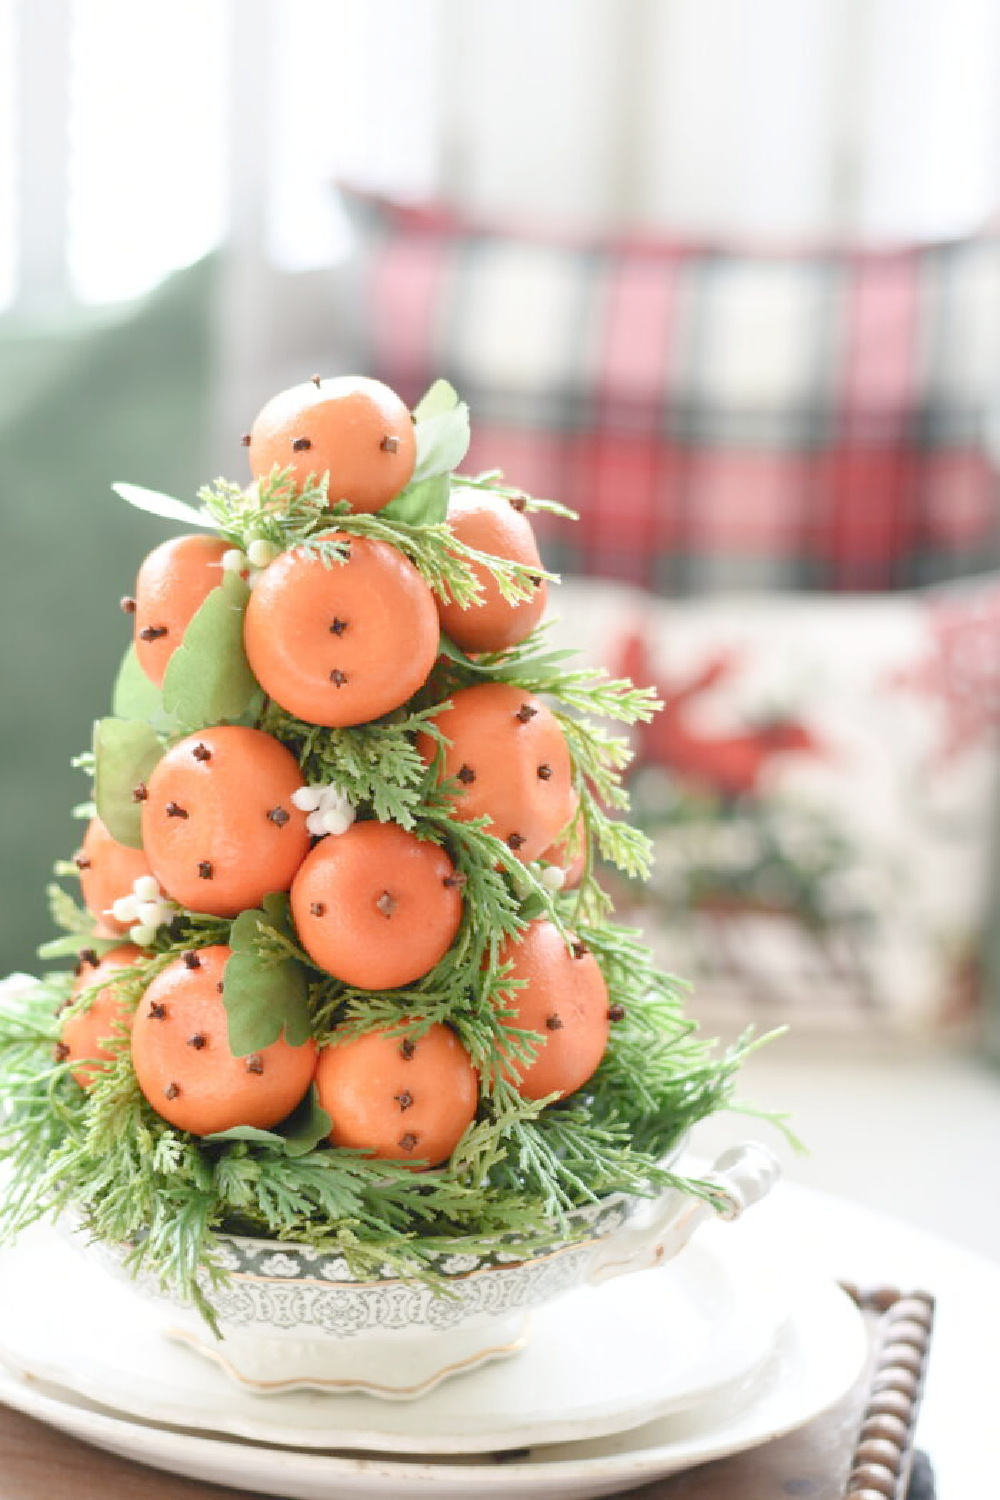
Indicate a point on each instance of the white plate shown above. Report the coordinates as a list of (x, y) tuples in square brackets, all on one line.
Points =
[(817, 1357), (597, 1361)]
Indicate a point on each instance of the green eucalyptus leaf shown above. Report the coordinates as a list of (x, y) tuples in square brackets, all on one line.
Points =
[(447, 647), (520, 669), (264, 993), (136, 697), (442, 442), (438, 398), (277, 909), (423, 504), (250, 1133), (125, 752), (165, 506), (305, 1127), (533, 906), (208, 678), (250, 717)]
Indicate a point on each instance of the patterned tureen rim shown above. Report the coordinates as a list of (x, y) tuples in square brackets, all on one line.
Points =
[(490, 1270), (585, 1240)]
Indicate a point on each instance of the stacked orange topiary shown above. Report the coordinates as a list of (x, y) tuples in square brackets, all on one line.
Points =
[(341, 924)]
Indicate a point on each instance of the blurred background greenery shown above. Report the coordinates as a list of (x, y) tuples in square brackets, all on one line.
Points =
[(84, 399)]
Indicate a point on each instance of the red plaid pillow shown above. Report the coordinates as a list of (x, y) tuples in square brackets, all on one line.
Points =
[(722, 418)]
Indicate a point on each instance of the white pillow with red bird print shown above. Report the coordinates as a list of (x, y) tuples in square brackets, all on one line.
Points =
[(821, 790)]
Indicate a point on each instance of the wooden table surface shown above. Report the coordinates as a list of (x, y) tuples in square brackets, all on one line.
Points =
[(37, 1463), (956, 1422)]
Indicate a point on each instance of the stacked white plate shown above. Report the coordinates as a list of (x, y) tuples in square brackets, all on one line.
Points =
[(615, 1386)]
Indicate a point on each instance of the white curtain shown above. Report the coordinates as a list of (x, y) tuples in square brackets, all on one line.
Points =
[(136, 136), (877, 119)]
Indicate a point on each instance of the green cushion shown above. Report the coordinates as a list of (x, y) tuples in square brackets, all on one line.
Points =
[(85, 399)]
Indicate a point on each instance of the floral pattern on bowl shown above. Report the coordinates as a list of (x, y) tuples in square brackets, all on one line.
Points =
[(292, 1315)]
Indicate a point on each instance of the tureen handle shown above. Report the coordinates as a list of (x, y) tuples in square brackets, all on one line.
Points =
[(742, 1175)]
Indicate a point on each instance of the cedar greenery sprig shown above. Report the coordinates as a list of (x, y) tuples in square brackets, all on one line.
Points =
[(79, 927), (374, 764), (599, 758), (67, 913), (443, 559), (279, 513), (491, 481), (538, 668)]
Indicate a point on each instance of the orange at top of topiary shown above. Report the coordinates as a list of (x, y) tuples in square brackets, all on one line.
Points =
[(352, 427)]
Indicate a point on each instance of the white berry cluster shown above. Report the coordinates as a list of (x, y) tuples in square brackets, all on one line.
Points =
[(330, 809), (252, 562), (147, 908), (553, 877)]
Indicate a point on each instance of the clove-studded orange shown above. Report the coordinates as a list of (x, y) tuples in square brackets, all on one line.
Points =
[(401, 1099), (510, 759), (108, 871), (376, 907), (353, 428), (339, 643), (86, 1037), (184, 1064), (174, 581), (492, 523), (219, 826), (565, 1000)]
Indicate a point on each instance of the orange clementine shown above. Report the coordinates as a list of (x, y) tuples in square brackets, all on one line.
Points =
[(341, 643), (490, 523), (174, 581), (376, 907), (509, 755), (87, 1035), (356, 429), (565, 1000), (108, 871), (183, 1062), (218, 824), (402, 1100)]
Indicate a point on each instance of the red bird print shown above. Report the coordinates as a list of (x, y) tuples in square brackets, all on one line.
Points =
[(730, 766)]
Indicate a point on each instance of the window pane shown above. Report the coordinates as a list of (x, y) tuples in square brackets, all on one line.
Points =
[(148, 95)]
